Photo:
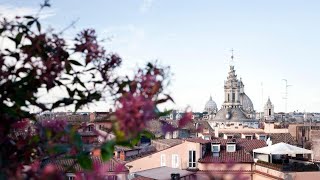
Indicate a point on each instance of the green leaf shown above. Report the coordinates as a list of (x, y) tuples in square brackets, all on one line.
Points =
[(68, 67), (58, 82), (76, 139), (38, 26), (30, 23), (18, 39), (60, 148), (84, 161), (70, 92), (165, 113), (147, 134), (74, 62), (124, 143), (48, 133), (135, 140), (107, 150), (29, 17), (2, 30)]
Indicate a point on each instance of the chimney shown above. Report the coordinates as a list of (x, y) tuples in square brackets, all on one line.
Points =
[(216, 132), (122, 156), (92, 116), (175, 176)]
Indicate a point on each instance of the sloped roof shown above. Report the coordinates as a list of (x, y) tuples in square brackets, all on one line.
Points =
[(228, 157), (64, 164), (236, 115), (168, 142), (242, 154), (282, 137), (245, 144)]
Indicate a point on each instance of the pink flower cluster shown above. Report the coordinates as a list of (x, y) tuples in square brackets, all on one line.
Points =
[(56, 125), (87, 43), (186, 118), (101, 171), (137, 104), (134, 112), (21, 124), (52, 52)]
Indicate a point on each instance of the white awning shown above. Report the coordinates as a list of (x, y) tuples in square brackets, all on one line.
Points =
[(282, 148)]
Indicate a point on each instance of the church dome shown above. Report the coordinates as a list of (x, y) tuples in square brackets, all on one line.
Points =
[(211, 106), (246, 103)]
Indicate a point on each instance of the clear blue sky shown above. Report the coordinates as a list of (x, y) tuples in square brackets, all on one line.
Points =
[(272, 40)]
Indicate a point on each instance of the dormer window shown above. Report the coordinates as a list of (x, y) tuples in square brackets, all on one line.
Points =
[(231, 147), (262, 137), (215, 148)]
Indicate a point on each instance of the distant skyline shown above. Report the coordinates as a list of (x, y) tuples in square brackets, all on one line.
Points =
[(272, 40)]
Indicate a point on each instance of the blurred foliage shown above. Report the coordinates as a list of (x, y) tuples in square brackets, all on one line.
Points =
[(34, 60)]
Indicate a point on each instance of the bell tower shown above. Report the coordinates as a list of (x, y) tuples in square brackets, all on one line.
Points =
[(268, 110), (232, 88)]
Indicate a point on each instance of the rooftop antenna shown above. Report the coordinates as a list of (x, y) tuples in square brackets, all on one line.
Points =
[(262, 109), (286, 94)]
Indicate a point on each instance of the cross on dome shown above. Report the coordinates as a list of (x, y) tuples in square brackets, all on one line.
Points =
[(231, 63)]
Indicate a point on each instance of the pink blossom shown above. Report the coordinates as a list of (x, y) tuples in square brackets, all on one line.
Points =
[(134, 112), (56, 125), (87, 43), (35, 166), (166, 127), (21, 124), (186, 118)]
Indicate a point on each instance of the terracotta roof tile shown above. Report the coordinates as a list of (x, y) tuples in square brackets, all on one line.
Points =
[(243, 151), (198, 140), (228, 157), (63, 164), (282, 137), (168, 142)]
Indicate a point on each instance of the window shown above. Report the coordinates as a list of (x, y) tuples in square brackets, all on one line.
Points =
[(228, 97), (192, 159), (248, 137), (262, 137), (269, 112), (163, 160), (229, 137), (231, 147), (175, 160), (233, 97), (215, 147), (89, 128), (70, 176)]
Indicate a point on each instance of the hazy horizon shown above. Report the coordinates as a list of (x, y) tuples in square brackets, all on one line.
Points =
[(271, 40)]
